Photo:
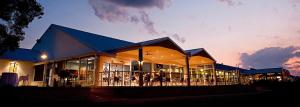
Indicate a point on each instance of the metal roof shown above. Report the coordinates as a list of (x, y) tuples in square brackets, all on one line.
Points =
[(167, 42), (263, 71), (22, 55), (201, 51), (194, 51), (227, 67), (97, 42)]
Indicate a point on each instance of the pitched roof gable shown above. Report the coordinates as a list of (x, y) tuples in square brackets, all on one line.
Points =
[(165, 42), (200, 51), (97, 42)]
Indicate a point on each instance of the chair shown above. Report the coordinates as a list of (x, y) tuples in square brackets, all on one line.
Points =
[(24, 79)]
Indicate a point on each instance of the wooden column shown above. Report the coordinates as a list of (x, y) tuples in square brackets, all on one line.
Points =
[(187, 61), (51, 72), (224, 77), (130, 72), (170, 71), (214, 72), (45, 74), (108, 77), (97, 70), (140, 62)]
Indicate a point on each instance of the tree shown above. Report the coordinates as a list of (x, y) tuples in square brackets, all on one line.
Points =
[(15, 15)]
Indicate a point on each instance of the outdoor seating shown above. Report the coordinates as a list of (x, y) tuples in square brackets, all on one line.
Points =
[(24, 79)]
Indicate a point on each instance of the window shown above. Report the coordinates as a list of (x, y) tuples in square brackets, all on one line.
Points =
[(38, 73), (72, 65)]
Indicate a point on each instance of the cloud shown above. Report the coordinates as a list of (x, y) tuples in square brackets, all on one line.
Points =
[(178, 38), (269, 57), (142, 3), (231, 2), (229, 28), (133, 11), (174, 36), (294, 69), (148, 23), (294, 3)]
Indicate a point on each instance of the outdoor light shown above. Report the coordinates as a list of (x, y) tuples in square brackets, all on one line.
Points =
[(44, 56), (140, 62), (201, 69), (13, 66)]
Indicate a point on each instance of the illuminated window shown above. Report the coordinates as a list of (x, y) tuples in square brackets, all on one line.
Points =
[(13, 66)]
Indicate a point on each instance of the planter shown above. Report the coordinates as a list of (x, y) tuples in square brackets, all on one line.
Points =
[(9, 79)]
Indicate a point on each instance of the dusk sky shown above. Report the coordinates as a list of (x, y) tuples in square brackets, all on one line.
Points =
[(248, 33)]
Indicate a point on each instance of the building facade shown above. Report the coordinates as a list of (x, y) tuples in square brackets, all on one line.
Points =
[(65, 56), (270, 74), (69, 57)]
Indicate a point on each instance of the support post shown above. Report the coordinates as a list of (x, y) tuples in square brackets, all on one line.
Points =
[(45, 75), (141, 82), (187, 61), (97, 69), (214, 72)]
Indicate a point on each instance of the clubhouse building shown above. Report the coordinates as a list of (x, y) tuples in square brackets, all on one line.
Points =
[(69, 57)]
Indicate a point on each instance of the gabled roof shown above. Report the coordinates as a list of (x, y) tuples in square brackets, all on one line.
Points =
[(165, 42), (97, 42), (194, 51), (201, 52), (263, 71), (22, 55), (153, 41)]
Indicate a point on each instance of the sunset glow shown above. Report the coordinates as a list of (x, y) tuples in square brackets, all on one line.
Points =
[(234, 32)]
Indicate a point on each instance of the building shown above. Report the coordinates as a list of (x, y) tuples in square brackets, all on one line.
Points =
[(69, 57), (66, 56), (273, 74), (227, 75)]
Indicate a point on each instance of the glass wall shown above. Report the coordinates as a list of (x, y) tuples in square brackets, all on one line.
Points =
[(117, 74), (202, 75), (227, 77), (84, 70)]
